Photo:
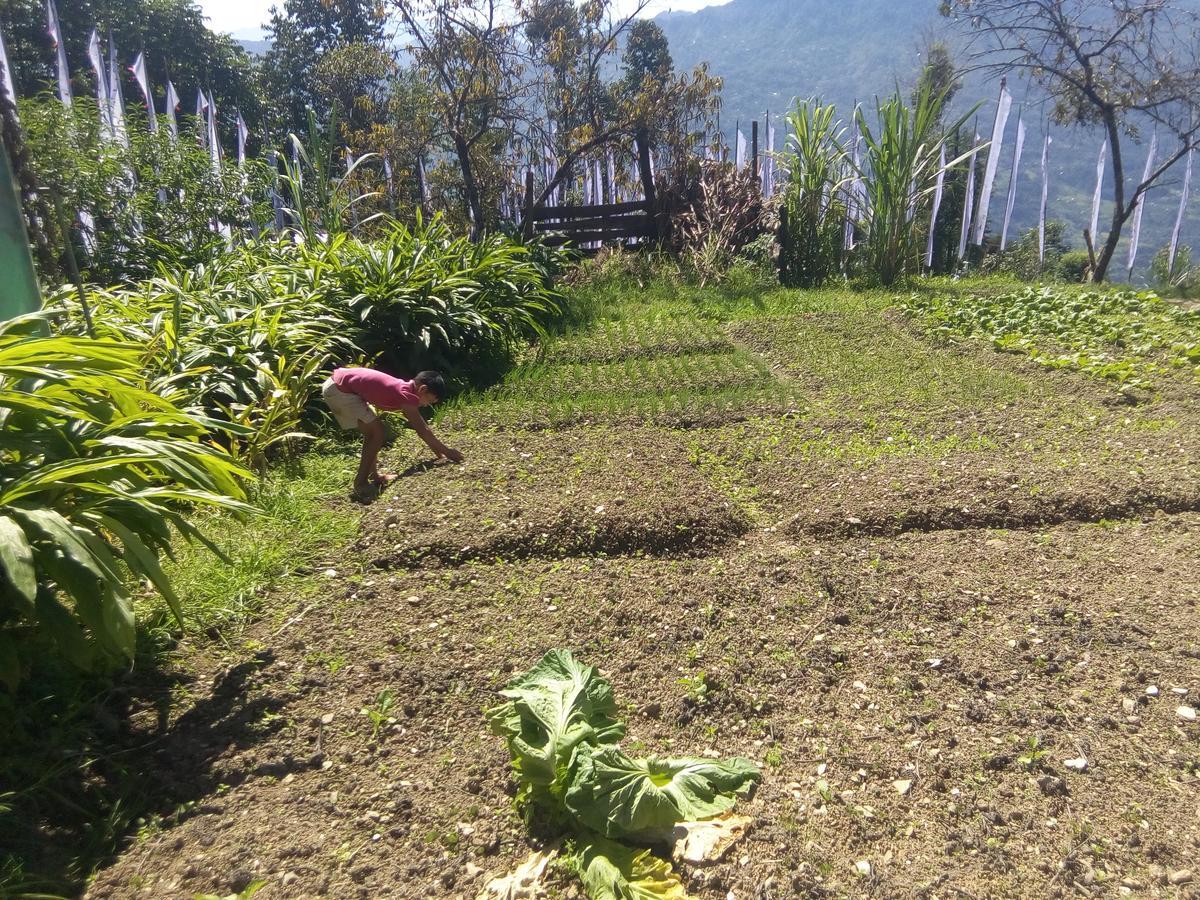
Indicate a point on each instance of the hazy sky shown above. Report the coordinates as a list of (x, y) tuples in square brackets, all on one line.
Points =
[(244, 16)]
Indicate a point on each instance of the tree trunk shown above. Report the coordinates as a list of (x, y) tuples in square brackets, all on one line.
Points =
[(470, 188), (1120, 214)]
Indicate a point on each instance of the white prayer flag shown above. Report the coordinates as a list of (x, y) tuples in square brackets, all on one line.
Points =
[(852, 193), (172, 108), (1136, 232), (612, 178), (1045, 193), (598, 180), (740, 158), (1099, 192), (769, 162), (116, 94), (143, 79), (60, 51), (937, 206), (6, 76), (1012, 183), (993, 162), (242, 134), (201, 118), (97, 61), (1183, 203), (969, 202), (214, 142)]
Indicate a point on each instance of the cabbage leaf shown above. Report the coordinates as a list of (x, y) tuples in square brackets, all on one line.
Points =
[(612, 871), (642, 799), (553, 708)]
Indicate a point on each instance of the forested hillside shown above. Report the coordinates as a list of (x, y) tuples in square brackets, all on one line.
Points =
[(770, 52)]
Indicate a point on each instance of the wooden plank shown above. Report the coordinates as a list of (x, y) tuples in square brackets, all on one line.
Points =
[(644, 229), (543, 213), (586, 237), (597, 224)]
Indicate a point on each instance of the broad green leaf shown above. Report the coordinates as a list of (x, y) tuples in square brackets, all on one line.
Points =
[(143, 560), (553, 708), (17, 558), (612, 871), (622, 797)]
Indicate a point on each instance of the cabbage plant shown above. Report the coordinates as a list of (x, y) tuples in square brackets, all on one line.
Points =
[(558, 722)]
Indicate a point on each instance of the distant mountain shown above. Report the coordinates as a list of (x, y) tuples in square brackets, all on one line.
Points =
[(254, 48), (770, 52)]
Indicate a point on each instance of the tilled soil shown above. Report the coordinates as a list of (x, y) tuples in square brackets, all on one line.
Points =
[(912, 701), (962, 664)]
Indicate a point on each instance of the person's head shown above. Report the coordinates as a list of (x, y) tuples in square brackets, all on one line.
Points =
[(430, 387)]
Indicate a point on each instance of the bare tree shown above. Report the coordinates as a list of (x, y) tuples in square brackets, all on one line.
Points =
[(1121, 65), (470, 50)]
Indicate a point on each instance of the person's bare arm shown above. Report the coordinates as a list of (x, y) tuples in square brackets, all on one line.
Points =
[(421, 427)]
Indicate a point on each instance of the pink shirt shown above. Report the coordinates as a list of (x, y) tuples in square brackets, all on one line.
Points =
[(377, 388)]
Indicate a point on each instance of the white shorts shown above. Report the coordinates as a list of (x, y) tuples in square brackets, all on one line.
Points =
[(350, 410)]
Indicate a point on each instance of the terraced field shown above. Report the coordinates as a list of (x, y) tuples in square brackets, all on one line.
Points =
[(944, 596)]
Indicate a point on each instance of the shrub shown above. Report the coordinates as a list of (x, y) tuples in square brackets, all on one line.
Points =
[(721, 212), (1182, 279), (1073, 266), (95, 474)]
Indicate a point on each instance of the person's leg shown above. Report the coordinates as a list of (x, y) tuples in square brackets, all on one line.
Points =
[(373, 435)]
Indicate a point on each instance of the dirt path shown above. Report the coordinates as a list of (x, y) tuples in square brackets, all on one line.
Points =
[(913, 600)]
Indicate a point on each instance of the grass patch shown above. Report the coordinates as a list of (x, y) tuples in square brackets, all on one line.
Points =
[(296, 528)]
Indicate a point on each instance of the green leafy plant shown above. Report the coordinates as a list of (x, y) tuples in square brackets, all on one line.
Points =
[(813, 214), (899, 170), (558, 722), (96, 473), (379, 712)]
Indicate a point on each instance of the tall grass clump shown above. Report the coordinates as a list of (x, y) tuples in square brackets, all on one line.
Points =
[(812, 216), (901, 164)]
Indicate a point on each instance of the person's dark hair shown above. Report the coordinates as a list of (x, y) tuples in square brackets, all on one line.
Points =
[(434, 381)]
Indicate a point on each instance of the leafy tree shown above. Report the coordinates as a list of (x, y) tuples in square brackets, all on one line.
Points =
[(471, 55), (647, 54), (1124, 66), (172, 33), (302, 32)]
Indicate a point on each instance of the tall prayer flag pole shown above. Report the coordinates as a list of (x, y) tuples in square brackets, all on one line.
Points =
[(60, 51), (1012, 182), (993, 161), (1136, 232)]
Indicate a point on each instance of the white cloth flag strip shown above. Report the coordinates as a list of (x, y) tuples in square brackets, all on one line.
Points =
[(172, 108), (201, 118), (1136, 232), (97, 61), (6, 77), (993, 162), (54, 29), (612, 177), (214, 143), (1099, 192), (740, 158), (116, 96), (1045, 193), (143, 79), (937, 205), (1012, 182), (242, 134), (1183, 203), (969, 203)]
